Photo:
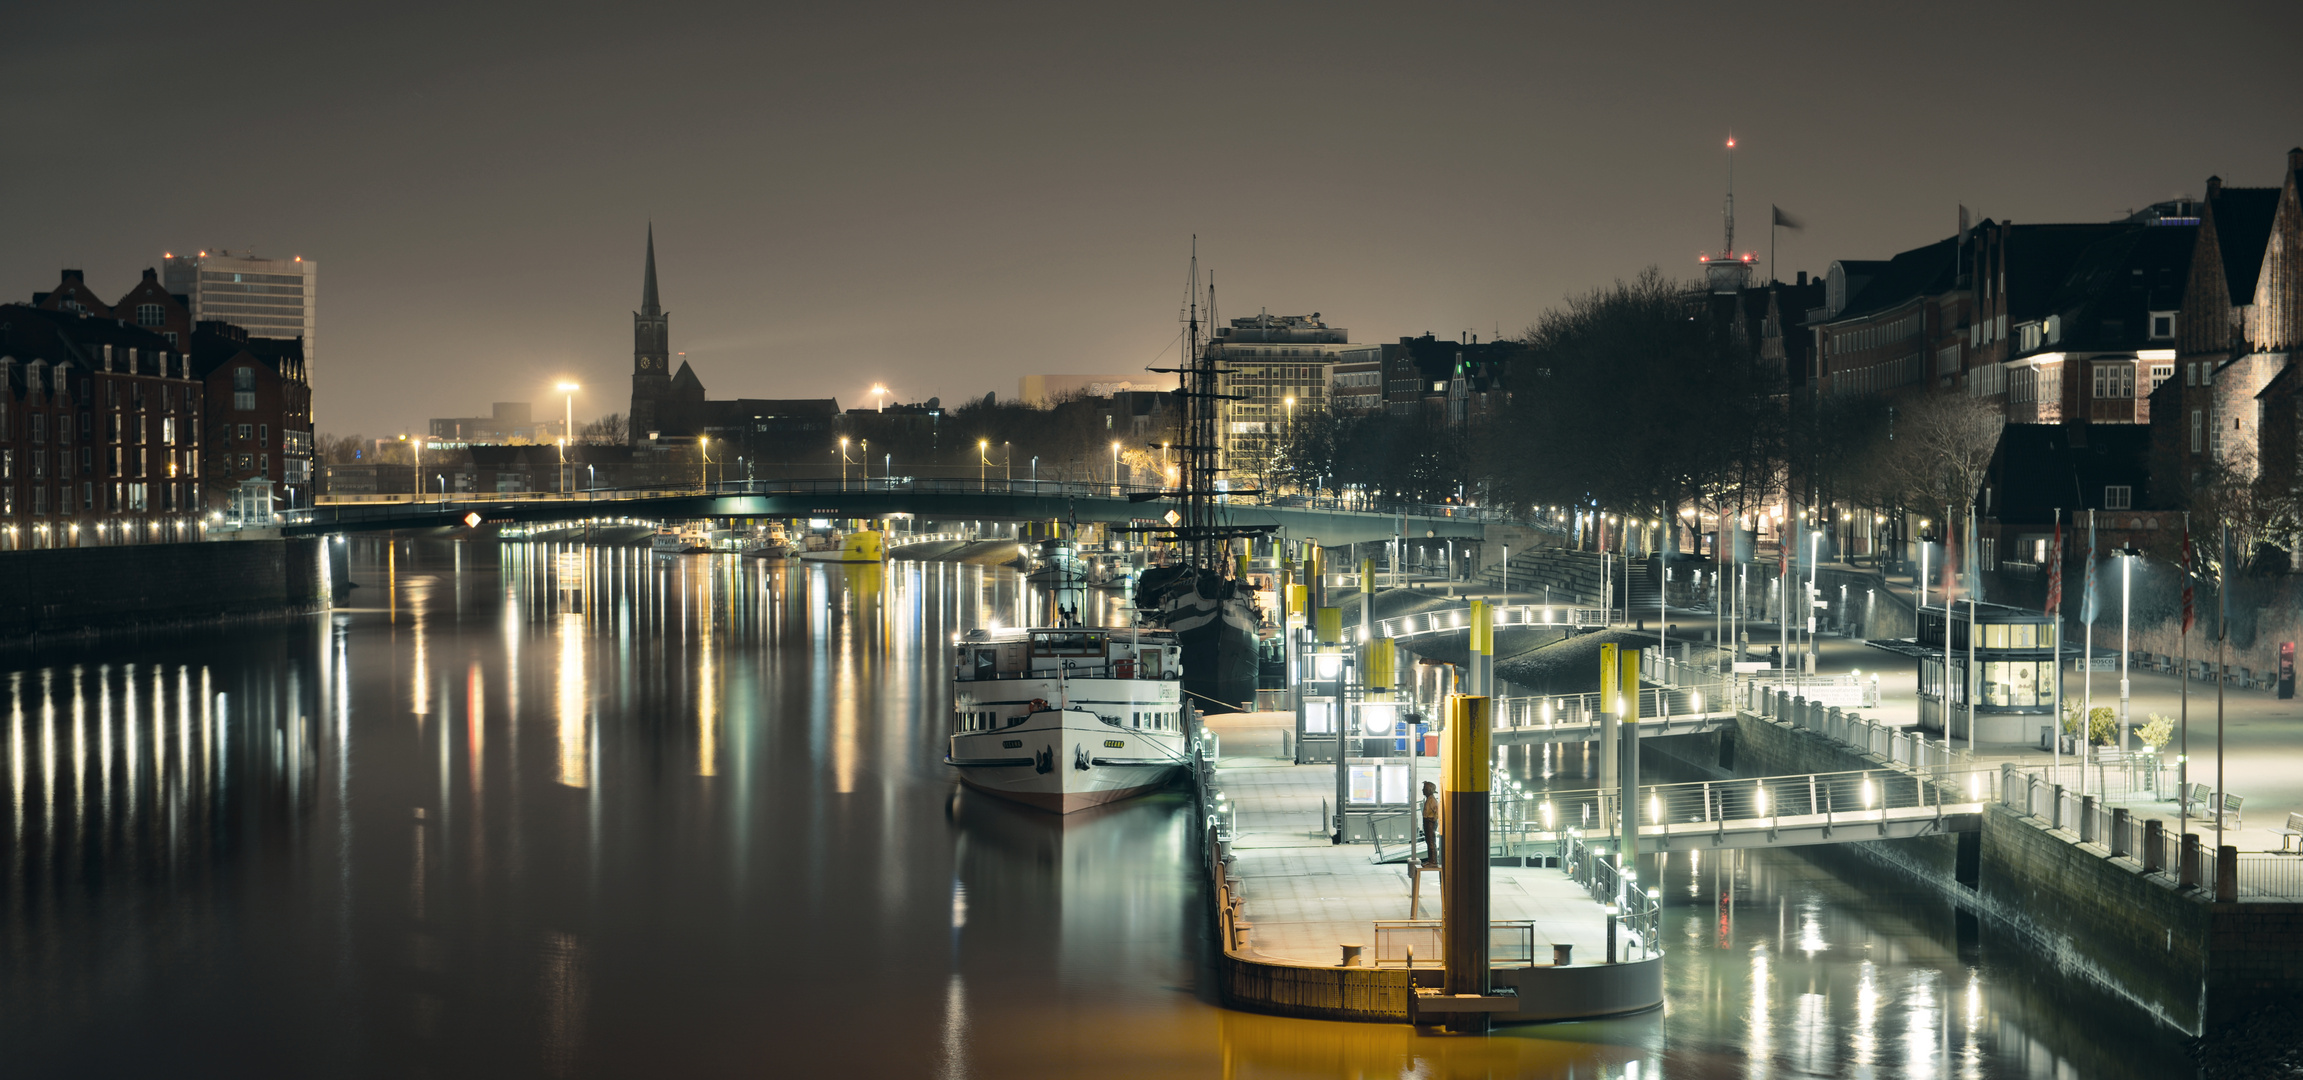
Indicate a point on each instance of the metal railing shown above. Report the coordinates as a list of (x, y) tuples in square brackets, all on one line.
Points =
[(2268, 876), (1568, 710), (396, 504), (1409, 942), (1449, 620), (1636, 913), (1900, 745)]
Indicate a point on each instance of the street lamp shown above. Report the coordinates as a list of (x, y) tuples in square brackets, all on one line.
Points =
[(1814, 542), (1008, 461), (843, 452), (880, 391), (567, 426), (1115, 466), (417, 445), (704, 468), (983, 461)]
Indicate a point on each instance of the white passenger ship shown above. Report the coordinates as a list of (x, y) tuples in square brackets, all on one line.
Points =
[(1066, 718)]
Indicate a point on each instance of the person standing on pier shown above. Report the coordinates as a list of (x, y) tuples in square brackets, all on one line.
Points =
[(1430, 823)]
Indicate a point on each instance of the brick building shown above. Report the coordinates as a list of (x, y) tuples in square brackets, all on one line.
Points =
[(2231, 412), (259, 416), (99, 427)]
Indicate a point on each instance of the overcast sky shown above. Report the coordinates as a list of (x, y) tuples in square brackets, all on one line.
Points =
[(947, 196)]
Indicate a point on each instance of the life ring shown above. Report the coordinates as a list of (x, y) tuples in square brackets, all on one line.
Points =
[(1039, 705)]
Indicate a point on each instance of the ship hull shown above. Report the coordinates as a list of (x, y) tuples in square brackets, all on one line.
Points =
[(1216, 629), (1068, 760)]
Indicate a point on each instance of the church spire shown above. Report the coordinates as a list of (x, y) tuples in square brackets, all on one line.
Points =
[(648, 303)]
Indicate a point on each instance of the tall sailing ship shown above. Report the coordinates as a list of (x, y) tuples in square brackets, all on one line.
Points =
[(1199, 596)]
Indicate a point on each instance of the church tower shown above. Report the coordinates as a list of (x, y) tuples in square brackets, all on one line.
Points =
[(651, 353)]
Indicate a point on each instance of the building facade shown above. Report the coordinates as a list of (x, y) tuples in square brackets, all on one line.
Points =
[(1273, 370), (269, 298), (99, 431), (258, 438)]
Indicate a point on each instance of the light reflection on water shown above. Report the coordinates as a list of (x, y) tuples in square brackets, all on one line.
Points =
[(718, 838)]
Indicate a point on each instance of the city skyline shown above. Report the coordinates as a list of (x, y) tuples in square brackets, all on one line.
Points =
[(843, 200)]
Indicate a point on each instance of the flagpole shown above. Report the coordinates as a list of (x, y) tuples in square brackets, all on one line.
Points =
[(2222, 642), (2183, 746), (2054, 626), (2087, 661)]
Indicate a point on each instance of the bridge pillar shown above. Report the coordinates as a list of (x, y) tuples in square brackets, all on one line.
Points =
[(1463, 872), (1608, 692), (1629, 769)]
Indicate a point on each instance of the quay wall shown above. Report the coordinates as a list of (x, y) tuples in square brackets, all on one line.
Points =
[(2173, 954), (64, 593)]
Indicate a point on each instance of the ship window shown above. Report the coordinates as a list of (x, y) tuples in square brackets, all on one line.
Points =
[(1067, 644)]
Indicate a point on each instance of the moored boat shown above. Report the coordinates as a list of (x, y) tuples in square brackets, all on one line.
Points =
[(1065, 718)]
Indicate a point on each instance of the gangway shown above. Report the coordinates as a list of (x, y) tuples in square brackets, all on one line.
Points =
[(1772, 811)]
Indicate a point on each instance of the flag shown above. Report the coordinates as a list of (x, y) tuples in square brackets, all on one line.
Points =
[(2189, 615), (2087, 593), (1786, 220), (2055, 572), (1950, 582), (2223, 591)]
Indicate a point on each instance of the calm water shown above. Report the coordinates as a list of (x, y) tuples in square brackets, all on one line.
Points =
[(548, 811)]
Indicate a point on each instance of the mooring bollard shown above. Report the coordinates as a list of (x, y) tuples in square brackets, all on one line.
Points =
[(1351, 954)]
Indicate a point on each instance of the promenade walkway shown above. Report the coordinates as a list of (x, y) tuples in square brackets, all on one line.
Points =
[(1306, 896)]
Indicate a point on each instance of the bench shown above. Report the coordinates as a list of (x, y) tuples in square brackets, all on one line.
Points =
[(2292, 831), (2195, 800), (2227, 805)]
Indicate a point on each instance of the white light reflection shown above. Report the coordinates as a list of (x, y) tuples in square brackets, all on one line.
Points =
[(1863, 1045), (575, 744)]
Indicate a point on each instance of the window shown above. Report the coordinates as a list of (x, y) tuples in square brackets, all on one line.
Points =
[(39, 427), (264, 435), (2160, 373), (247, 430), (2118, 497), (148, 315), (2162, 324), (2196, 433), (2115, 380)]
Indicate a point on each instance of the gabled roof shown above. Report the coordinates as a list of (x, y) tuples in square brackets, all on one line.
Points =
[(2036, 470), (2039, 261), (2115, 284), (2243, 230), (1921, 271)]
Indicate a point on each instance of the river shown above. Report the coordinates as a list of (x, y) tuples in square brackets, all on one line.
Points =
[(566, 811)]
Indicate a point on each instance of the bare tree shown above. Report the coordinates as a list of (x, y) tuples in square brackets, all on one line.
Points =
[(610, 430), (1940, 448)]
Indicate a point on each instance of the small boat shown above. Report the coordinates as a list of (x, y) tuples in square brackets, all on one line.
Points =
[(860, 546), (1065, 718), (668, 541)]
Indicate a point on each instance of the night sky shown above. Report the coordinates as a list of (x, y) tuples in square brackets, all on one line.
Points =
[(947, 196)]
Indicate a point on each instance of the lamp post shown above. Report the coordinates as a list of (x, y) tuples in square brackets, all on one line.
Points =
[(983, 462), (563, 477), (2127, 557), (568, 422), (417, 445), (1814, 545), (1035, 472), (1008, 462), (1115, 467), (704, 467), (843, 452)]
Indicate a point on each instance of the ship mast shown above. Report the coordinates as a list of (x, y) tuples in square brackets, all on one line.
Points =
[(1206, 542)]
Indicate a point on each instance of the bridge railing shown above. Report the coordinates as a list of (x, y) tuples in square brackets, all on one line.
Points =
[(444, 501), (1450, 620)]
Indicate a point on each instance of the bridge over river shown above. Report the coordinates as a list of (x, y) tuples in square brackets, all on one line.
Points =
[(1333, 523)]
